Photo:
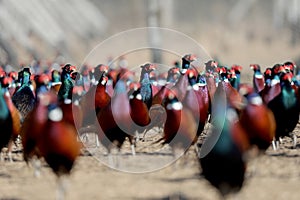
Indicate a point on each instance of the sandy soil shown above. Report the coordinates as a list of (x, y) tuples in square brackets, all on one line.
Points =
[(275, 175)]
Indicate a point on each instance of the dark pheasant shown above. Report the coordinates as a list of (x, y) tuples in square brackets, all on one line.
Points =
[(65, 90), (221, 155), (258, 78), (6, 122), (15, 115), (285, 108), (24, 97)]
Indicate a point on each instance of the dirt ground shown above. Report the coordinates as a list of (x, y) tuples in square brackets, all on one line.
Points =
[(153, 174), (275, 175)]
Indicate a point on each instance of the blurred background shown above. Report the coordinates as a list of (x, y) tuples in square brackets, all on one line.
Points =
[(231, 31)]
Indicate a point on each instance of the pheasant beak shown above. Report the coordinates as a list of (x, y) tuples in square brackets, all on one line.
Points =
[(289, 67), (214, 64), (104, 80), (74, 75), (13, 75), (281, 69), (2, 74), (152, 67), (221, 70), (237, 67), (72, 68), (193, 57), (268, 72), (104, 68), (7, 81), (287, 77), (176, 71)]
